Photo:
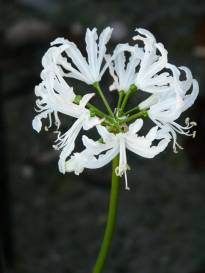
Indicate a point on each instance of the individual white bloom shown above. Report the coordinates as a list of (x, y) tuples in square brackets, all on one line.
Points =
[(150, 76), (54, 99), (51, 62), (166, 107), (66, 142), (178, 93), (144, 67), (55, 95), (123, 71), (92, 69), (97, 154)]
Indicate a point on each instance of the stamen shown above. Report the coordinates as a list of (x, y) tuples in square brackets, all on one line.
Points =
[(194, 134), (50, 121), (175, 146), (184, 130), (126, 182), (193, 123), (57, 120), (187, 121), (120, 172)]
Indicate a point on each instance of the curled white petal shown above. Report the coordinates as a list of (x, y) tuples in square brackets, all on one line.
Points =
[(77, 162), (143, 145), (135, 126), (172, 91), (97, 154), (66, 142), (37, 124), (151, 100), (92, 69), (190, 98), (122, 72), (150, 77)]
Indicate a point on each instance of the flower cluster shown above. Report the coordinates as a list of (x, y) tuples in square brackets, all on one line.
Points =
[(141, 67)]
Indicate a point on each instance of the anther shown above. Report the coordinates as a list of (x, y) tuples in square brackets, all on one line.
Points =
[(194, 134)]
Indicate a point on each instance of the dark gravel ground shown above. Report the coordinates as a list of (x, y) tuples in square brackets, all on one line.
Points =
[(59, 220)]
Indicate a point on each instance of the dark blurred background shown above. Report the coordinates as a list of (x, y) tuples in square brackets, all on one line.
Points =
[(54, 223)]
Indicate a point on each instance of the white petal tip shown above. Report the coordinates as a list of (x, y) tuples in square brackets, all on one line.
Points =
[(37, 124), (61, 169)]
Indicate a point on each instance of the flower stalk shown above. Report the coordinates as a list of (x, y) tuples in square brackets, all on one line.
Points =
[(96, 111), (93, 109), (104, 100), (121, 94), (131, 90), (136, 116), (111, 220), (134, 109)]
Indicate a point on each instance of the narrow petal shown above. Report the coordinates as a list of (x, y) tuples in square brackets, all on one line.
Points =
[(135, 126), (90, 122), (148, 102), (77, 162), (103, 40), (161, 63), (66, 142), (92, 50), (145, 33), (103, 159), (190, 99), (106, 136), (186, 84), (86, 98), (96, 147), (37, 123), (152, 133), (144, 148)]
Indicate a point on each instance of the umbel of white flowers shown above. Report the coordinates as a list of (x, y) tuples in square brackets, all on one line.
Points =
[(142, 67)]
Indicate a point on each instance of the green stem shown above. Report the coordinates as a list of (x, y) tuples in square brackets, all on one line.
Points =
[(131, 90), (100, 92), (132, 110), (111, 220), (92, 108), (121, 95), (135, 116), (96, 111)]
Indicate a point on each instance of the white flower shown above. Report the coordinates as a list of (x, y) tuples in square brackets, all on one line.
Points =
[(51, 62), (166, 107), (124, 73), (66, 142), (144, 65), (97, 154), (56, 96), (150, 77), (92, 69)]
